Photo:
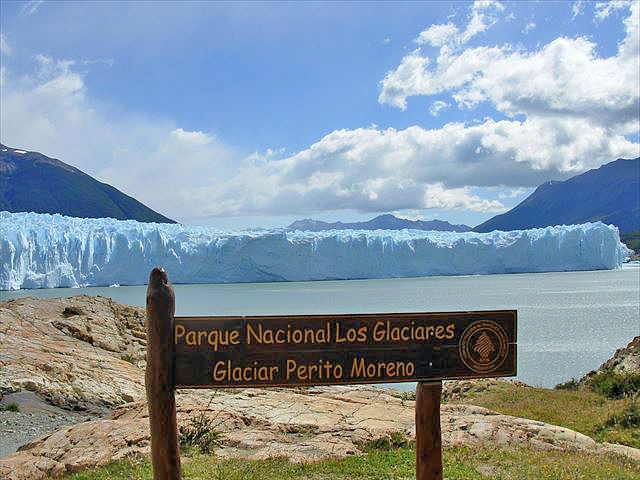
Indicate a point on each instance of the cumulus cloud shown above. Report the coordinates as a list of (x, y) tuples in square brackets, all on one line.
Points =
[(483, 15), (564, 78), (171, 169), (575, 115), (437, 107), (384, 170)]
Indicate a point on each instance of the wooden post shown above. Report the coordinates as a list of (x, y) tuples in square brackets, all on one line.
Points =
[(428, 434), (165, 453)]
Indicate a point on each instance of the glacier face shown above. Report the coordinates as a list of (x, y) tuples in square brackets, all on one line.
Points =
[(46, 251)]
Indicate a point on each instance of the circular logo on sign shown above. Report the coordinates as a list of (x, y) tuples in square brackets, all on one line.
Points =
[(484, 346)]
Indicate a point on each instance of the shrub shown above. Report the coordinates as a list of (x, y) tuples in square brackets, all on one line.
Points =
[(628, 418), (572, 384), (199, 435), (615, 385), (10, 407), (393, 441)]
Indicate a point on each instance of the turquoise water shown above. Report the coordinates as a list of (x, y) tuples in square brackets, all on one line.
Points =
[(568, 322)]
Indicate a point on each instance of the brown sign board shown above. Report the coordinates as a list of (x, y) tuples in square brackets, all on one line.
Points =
[(342, 349)]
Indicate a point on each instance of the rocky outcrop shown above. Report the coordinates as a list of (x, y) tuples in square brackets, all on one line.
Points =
[(624, 362), (80, 353), (303, 425)]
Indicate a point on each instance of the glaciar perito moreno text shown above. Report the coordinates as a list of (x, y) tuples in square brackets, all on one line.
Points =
[(47, 251)]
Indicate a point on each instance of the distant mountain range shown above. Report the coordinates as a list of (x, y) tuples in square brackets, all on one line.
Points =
[(32, 182), (381, 222), (610, 194)]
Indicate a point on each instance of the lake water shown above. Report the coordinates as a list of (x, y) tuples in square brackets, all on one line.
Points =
[(569, 323)]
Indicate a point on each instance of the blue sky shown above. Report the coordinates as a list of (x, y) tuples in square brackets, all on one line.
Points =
[(256, 114)]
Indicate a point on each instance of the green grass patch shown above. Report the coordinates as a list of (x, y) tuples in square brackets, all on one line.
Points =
[(10, 407), (581, 410), (393, 441), (458, 463)]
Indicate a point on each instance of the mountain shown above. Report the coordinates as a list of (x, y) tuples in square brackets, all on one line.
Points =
[(610, 194), (32, 182), (381, 222)]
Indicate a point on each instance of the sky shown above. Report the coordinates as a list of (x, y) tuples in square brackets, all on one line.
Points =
[(254, 114)]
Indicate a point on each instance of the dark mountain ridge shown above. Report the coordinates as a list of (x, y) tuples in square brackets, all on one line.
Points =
[(610, 194), (33, 182), (381, 222)]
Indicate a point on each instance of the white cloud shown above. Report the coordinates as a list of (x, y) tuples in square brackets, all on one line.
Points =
[(512, 193), (170, 169), (577, 8), (386, 170), (31, 7), (528, 27), (565, 77), (483, 15), (604, 9), (437, 107), (5, 48)]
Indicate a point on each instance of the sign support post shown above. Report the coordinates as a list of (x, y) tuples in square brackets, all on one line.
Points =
[(428, 434), (161, 402)]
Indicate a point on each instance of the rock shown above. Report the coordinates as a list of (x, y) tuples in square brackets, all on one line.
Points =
[(303, 425), (82, 353), (625, 361)]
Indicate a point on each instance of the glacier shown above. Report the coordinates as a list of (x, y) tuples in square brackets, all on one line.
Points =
[(47, 251)]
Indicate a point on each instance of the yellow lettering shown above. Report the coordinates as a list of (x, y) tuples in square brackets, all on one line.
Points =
[(251, 333), (358, 368), (378, 332), (404, 334), (190, 338), (179, 333), (362, 334), (219, 374), (451, 331), (291, 367)]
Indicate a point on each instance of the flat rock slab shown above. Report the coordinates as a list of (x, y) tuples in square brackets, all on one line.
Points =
[(304, 425), (80, 353)]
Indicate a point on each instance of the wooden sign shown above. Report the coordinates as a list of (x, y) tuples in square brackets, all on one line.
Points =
[(342, 349), (204, 352)]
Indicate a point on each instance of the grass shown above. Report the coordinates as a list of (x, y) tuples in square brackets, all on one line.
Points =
[(459, 463), (10, 407), (581, 410), (199, 435)]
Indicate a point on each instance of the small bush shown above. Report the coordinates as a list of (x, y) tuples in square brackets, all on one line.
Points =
[(10, 407), (628, 418), (572, 384), (393, 441), (615, 385), (72, 311), (199, 435)]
